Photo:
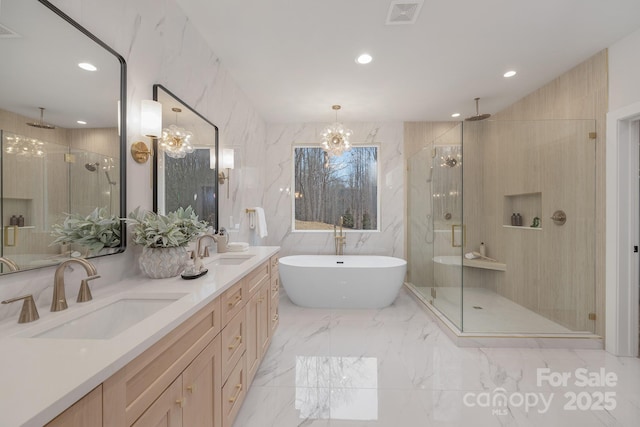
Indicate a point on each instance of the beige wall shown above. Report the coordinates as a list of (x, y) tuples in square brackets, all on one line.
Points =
[(559, 271)]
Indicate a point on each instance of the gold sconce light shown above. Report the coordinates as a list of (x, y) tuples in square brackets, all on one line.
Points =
[(227, 163), (150, 126)]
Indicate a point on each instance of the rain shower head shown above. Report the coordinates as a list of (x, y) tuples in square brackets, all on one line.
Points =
[(41, 124), (91, 167), (478, 116)]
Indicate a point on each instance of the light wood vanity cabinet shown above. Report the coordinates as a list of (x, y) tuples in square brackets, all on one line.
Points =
[(198, 374), (85, 412)]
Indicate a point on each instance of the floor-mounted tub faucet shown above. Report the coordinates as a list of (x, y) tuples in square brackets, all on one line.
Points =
[(340, 238)]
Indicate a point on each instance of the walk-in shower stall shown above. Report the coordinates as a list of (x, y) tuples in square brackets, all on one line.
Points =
[(498, 184)]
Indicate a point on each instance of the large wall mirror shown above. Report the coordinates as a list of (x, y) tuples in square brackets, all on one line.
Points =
[(187, 173), (62, 122)]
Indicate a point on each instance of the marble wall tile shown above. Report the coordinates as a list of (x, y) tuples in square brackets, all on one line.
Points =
[(279, 184)]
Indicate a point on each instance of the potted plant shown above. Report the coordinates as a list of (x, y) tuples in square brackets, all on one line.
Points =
[(96, 231), (164, 239)]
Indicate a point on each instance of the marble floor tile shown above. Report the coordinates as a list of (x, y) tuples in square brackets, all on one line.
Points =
[(395, 367)]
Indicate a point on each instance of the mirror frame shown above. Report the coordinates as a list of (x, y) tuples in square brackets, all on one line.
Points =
[(157, 152), (122, 123)]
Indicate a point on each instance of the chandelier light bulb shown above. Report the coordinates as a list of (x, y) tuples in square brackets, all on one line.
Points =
[(335, 138), (176, 141)]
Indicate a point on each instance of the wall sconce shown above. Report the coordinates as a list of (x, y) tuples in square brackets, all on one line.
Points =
[(227, 163), (150, 126)]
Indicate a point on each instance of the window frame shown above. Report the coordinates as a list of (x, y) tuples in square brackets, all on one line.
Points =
[(378, 188)]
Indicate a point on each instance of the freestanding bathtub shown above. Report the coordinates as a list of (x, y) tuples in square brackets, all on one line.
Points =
[(346, 281)]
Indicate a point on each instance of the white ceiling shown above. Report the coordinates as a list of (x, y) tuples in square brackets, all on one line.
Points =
[(295, 58)]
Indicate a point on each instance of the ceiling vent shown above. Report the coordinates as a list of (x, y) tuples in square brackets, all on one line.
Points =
[(7, 33), (404, 12)]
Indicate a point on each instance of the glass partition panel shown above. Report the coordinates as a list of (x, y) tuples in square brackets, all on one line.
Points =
[(518, 175), (437, 234)]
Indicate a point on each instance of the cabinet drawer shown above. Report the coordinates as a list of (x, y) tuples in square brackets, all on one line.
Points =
[(233, 393), (233, 300), (234, 337), (257, 277)]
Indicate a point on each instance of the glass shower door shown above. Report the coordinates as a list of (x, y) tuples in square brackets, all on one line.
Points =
[(436, 237)]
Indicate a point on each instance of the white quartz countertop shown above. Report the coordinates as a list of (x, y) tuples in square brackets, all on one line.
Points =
[(41, 377)]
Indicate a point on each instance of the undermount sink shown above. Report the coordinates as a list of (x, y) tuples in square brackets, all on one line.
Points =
[(110, 320), (229, 260)]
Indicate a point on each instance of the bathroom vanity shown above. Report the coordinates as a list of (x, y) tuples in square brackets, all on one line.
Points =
[(189, 363)]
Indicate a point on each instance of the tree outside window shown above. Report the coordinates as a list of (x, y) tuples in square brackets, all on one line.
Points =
[(328, 187)]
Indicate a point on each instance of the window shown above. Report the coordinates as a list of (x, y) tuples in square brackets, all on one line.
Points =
[(328, 187)]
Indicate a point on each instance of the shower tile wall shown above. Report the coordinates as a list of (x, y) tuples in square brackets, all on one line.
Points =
[(549, 284), (580, 93)]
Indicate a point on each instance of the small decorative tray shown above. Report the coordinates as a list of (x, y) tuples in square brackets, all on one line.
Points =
[(194, 276)]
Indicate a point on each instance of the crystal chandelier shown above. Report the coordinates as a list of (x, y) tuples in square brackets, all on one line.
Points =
[(335, 138), (176, 141), (23, 146)]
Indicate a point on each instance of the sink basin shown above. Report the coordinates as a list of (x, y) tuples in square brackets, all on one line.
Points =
[(110, 320), (229, 260)]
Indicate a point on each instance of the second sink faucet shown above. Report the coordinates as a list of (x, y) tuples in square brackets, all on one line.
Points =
[(59, 301)]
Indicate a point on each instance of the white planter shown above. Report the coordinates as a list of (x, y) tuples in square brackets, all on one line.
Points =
[(160, 263)]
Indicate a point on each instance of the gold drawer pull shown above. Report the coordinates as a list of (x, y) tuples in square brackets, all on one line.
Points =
[(180, 402), (234, 398), (235, 342), (191, 388), (260, 299), (235, 302)]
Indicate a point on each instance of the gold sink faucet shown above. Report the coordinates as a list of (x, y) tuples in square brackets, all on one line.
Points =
[(206, 248), (59, 301)]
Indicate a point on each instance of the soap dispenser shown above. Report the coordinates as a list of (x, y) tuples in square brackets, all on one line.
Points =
[(223, 239), (483, 249)]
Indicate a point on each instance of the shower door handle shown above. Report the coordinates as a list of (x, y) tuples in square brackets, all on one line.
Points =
[(463, 230)]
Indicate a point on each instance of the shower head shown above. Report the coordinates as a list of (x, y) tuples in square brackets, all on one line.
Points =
[(41, 124), (91, 167), (478, 116)]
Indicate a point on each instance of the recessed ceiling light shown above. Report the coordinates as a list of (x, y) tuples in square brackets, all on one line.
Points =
[(510, 73), (365, 58), (81, 122), (87, 66), (455, 115)]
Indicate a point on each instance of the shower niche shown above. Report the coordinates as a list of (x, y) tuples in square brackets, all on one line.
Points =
[(528, 205)]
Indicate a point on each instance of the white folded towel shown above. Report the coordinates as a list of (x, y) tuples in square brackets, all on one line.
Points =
[(476, 255), (237, 246), (262, 222)]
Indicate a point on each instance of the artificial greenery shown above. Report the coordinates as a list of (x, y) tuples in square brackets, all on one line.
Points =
[(95, 231), (165, 231)]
